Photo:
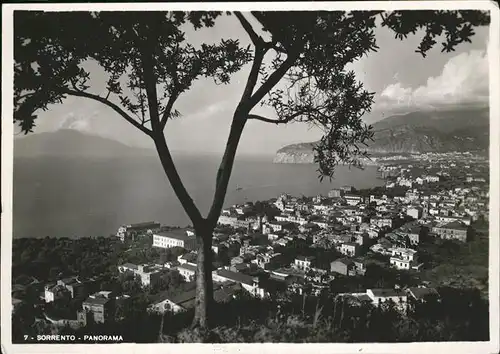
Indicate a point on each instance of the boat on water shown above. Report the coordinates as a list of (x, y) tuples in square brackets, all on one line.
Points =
[(239, 188)]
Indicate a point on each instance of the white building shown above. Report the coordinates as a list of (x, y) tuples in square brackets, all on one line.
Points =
[(249, 283), (55, 292), (189, 258), (321, 224), (381, 222), (431, 179), (403, 258), (149, 274), (188, 271), (303, 263), (184, 238), (128, 231), (379, 296), (414, 212), (353, 199), (335, 193), (234, 221), (243, 209), (349, 249)]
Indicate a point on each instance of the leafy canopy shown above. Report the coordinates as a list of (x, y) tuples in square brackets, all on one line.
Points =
[(150, 63), (50, 50)]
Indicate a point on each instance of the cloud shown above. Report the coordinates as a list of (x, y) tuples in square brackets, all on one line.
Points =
[(82, 125), (79, 121), (211, 110), (463, 80)]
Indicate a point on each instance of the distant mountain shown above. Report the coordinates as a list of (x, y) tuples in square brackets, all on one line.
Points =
[(465, 129), (73, 143), (433, 131)]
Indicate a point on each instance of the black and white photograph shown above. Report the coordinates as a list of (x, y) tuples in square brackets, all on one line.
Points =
[(250, 173)]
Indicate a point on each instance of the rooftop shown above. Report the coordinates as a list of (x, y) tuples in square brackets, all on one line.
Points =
[(345, 261), (186, 299), (405, 250), (282, 223), (363, 297), (187, 267), (456, 225), (130, 266), (69, 280), (189, 256), (16, 301), (235, 276), (177, 234), (387, 292), (415, 230), (358, 260), (143, 225), (167, 294), (420, 293), (305, 258), (350, 244), (96, 300), (226, 292), (57, 288)]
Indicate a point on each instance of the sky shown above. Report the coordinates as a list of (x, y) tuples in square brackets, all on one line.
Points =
[(402, 80)]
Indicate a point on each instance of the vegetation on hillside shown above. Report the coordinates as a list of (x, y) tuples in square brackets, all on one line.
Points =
[(451, 263), (457, 315), (49, 259)]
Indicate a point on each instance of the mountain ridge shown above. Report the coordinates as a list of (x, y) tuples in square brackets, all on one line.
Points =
[(414, 132), (74, 143)]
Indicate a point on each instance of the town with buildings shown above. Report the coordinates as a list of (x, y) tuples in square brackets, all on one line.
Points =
[(302, 244)]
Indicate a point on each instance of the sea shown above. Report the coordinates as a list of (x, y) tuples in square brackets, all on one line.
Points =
[(79, 197)]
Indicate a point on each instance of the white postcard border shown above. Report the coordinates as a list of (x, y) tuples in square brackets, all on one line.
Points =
[(7, 183)]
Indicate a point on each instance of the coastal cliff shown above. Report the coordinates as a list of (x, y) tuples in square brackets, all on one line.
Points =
[(417, 132), (303, 154), (284, 157), (296, 153)]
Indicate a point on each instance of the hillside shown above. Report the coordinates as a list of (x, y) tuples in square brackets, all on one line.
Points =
[(416, 132), (73, 143)]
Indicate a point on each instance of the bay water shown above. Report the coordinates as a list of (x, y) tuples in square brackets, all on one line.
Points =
[(77, 197)]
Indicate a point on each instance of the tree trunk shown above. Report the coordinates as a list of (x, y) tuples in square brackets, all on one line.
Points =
[(203, 226), (204, 284), (341, 314), (335, 312)]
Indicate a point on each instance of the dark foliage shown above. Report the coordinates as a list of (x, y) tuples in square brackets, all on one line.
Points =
[(456, 315)]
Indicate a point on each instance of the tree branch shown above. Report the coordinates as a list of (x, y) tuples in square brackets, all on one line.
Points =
[(116, 108), (275, 121), (273, 45), (20, 97), (253, 76), (175, 180), (160, 141), (168, 110), (176, 91), (256, 39), (265, 23), (150, 85), (225, 168), (272, 80)]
